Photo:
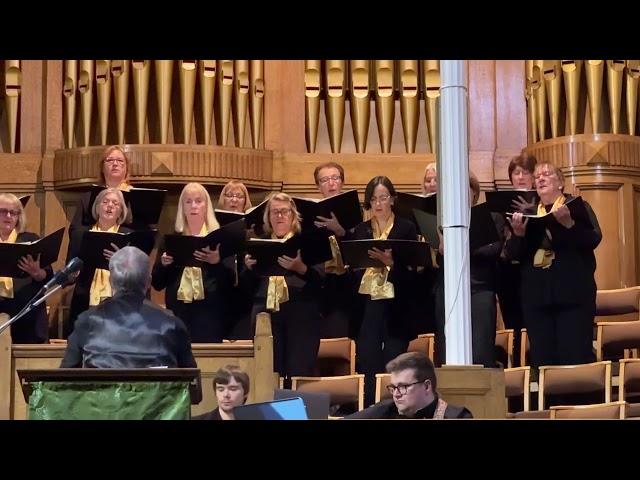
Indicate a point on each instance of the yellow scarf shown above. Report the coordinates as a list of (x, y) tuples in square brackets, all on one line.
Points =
[(336, 264), (126, 186), (100, 285), (6, 283), (374, 281), (277, 290), (544, 256), (191, 285)]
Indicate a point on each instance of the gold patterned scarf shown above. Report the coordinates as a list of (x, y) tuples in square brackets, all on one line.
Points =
[(336, 264), (374, 281), (544, 255), (100, 285), (277, 290), (6, 283), (191, 285)]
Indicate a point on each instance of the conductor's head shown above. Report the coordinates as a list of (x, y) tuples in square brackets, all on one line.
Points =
[(129, 271)]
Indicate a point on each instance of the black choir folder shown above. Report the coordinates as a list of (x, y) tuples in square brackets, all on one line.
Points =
[(231, 238), (408, 202), (501, 201), (314, 249), (406, 252), (482, 228), (47, 247), (145, 203), (253, 217), (345, 206), (575, 205), (94, 243)]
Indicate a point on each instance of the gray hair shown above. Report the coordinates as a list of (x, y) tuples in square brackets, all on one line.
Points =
[(129, 270)]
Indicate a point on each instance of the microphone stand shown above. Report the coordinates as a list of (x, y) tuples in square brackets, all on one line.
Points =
[(31, 305)]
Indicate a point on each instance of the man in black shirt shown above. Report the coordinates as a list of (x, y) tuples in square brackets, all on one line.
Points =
[(413, 387)]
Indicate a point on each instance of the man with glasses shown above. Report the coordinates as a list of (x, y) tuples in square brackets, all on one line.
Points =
[(413, 387)]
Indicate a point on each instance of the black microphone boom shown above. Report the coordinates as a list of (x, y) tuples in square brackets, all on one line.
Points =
[(62, 275)]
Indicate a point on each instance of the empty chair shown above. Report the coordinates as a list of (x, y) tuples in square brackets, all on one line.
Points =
[(382, 381), (336, 357), (344, 389), (517, 383), (424, 343), (617, 323), (504, 346), (629, 385), (574, 379), (601, 411)]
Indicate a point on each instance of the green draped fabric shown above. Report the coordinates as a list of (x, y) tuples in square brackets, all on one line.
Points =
[(110, 401)]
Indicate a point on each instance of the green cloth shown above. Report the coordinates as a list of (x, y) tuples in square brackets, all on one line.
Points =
[(110, 401)]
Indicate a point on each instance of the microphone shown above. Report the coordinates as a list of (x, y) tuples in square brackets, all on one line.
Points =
[(62, 276)]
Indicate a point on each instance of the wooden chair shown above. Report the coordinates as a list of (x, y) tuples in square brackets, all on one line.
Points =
[(601, 411), (336, 357), (629, 385), (504, 343), (382, 380), (617, 323), (524, 347), (570, 379), (424, 343), (517, 382), (344, 389)]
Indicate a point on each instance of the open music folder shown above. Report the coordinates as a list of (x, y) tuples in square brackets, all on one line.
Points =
[(482, 228), (345, 206), (94, 243), (254, 216), (145, 203), (575, 205), (314, 249), (231, 238), (48, 247), (355, 253), (501, 201), (406, 203)]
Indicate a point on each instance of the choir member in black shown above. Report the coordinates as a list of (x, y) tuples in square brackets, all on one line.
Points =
[(92, 284), (558, 264), (15, 293), (483, 266), (114, 173), (234, 197), (385, 293), (292, 300), (196, 295), (336, 305), (521, 174)]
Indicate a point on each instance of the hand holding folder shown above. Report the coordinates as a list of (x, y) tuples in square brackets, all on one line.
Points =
[(48, 248), (345, 206), (314, 249), (357, 253), (509, 201), (96, 246), (230, 238), (576, 207)]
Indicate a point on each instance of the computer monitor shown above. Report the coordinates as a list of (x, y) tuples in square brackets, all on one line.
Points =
[(318, 403), (286, 409)]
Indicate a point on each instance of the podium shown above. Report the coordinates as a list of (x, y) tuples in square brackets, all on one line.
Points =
[(111, 394)]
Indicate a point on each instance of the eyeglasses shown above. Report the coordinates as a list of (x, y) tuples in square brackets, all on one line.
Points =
[(283, 212), (335, 178), (402, 389), (381, 199), (239, 196), (111, 161), (5, 212)]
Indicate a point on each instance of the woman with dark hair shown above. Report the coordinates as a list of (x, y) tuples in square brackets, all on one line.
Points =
[(384, 300), (521, 175)]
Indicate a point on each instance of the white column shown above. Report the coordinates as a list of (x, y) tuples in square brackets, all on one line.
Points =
[(454, 195)]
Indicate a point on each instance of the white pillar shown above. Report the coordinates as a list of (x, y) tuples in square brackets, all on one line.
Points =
[(454, 195)]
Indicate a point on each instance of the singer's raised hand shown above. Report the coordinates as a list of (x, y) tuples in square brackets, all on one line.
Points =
[(32, 267)]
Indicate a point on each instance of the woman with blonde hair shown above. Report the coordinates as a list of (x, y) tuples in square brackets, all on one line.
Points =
[(430, 179), (291, 299), (113, 172), (196, 295), (92, 284), (15, 293)]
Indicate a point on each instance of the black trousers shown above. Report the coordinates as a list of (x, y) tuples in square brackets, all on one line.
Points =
[(296, 337), (375, 346), (483, 328), (203, 318)]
